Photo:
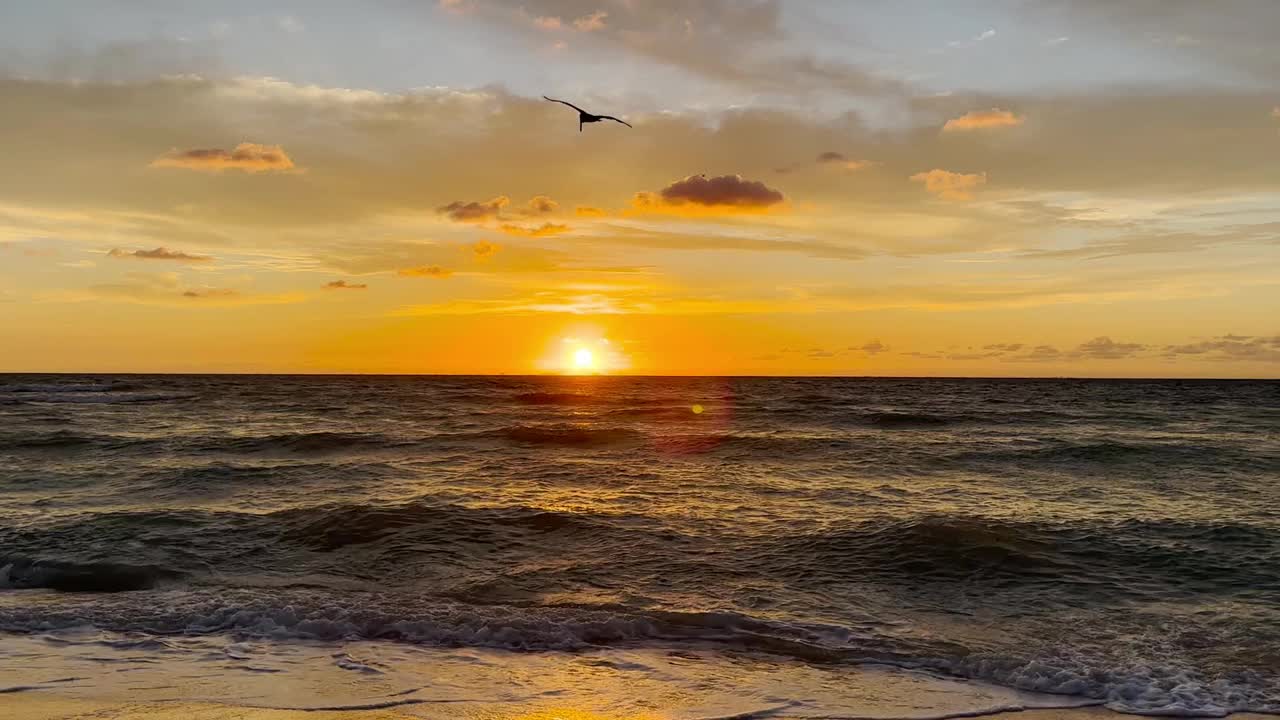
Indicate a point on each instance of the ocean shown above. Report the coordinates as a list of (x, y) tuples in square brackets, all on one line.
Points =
[(685, 547)]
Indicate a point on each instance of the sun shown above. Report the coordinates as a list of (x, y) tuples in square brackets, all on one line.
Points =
[(584, 360)]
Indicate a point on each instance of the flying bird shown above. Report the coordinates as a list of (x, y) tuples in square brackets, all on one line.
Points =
[(586, 117)]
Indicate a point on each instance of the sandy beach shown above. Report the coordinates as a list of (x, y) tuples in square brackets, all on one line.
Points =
[(38, 707)]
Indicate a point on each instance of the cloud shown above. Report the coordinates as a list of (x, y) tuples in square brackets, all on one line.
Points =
[(460, 211), (547, 22), (544, 230), (1043, 353), (725, 192), (1237, 348), (249, 157), (344, 285), (540, 205), (1104, 348), (592, 22), (949, 185), (426, 271), (587, 211), (1055, 42), (982, 120), (831, 158), (159, 253), (483, 249), (973, 41), (1000, 348), (210, 293), (873, 348)]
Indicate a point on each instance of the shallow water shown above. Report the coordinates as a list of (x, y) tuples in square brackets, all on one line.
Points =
[(1105, 540)]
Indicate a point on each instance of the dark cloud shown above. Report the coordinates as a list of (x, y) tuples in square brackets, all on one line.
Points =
[(159, 253), (460, 211), (249, 157), (344, 285), (724, 191)]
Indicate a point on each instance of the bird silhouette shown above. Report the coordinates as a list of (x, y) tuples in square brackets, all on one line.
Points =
[(586, 117)]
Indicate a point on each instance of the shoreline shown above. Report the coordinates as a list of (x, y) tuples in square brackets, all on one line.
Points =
[(36, 706)]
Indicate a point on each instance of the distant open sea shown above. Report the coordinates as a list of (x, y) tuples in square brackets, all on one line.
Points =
[(523, 539)]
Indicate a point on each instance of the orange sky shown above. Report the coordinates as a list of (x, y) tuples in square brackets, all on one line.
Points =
[(216, 195)]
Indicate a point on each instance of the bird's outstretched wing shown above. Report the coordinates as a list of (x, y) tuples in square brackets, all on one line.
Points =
[(610, 117), (562, 102)]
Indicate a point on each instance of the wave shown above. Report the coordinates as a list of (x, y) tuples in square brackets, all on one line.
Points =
[(555, 398), (1114, 453), (572, 435), (303, 443), (1157, 685), (64, 440), (457, 550), (103, 398), (68, 387), (26, 573), (894, 420)]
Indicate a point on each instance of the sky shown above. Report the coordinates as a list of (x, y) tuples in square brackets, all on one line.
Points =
[(969, 188)]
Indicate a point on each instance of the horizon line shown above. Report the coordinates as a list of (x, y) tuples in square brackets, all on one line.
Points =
[(1137, 378)]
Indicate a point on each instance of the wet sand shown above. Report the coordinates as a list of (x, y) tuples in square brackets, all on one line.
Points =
[(46, 707)]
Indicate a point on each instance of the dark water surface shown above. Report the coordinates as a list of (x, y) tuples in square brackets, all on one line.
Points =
[(1116, 540)]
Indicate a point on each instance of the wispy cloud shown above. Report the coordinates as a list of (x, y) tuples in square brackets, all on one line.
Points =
[(544, 230), (950, 185), (344, 285), (591, 23), (247, 157), (159, 253), (425, 271), (983, 120)]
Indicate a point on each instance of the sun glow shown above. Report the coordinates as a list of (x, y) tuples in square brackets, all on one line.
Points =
[(583, 350), (584, 360)]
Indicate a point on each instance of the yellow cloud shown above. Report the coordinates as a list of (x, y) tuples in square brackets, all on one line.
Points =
[(587, 211), (540, 205), (248, 157), (427, 271), (344, 285), (949, 185), (982, 120), (543, 230), (483, 249)]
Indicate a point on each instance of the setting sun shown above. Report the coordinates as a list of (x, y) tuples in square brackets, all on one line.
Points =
[(584, 360)]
